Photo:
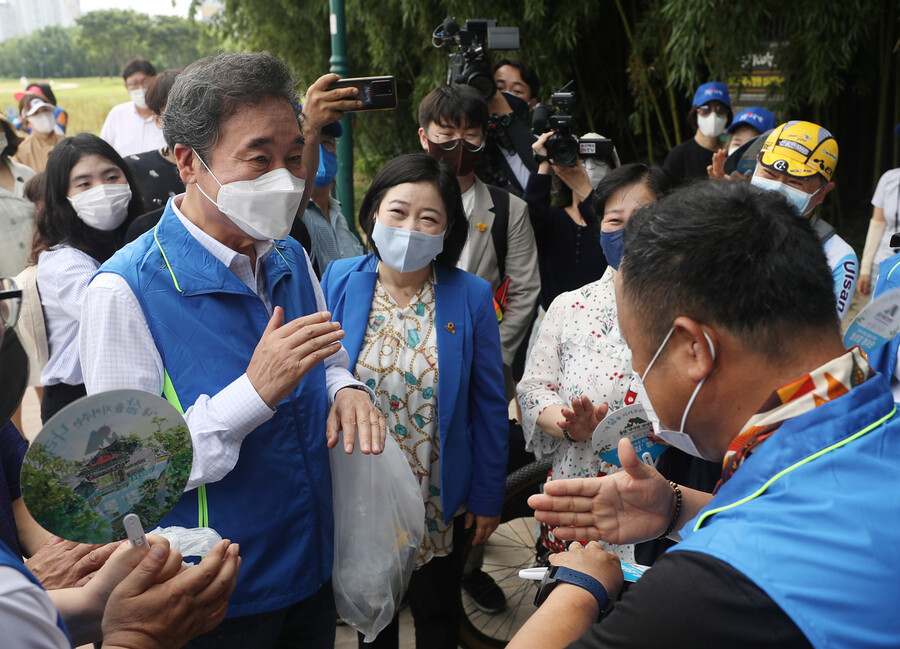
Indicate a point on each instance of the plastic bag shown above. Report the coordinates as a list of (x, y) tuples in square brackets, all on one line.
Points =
[(190, 541), (379, 523)]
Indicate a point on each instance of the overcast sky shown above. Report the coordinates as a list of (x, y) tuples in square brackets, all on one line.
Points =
[(152, 7)]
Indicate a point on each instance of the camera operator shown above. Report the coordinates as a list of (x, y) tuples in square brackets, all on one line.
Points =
[(568, 238), (508, 160)]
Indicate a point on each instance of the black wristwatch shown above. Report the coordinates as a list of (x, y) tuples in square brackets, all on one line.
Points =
[(560, 574)]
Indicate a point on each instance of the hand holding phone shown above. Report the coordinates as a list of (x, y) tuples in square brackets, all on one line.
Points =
[(375, 93)]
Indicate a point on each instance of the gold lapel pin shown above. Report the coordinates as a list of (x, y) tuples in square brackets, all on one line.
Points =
[(450, 328), (482, 226)]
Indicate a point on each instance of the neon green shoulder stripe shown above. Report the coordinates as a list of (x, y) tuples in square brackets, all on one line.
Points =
[(787, 470), (166, 259), (172, 397)]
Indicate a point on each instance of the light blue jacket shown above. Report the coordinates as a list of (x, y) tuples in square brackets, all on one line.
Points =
[(813, 519), (473, 425)]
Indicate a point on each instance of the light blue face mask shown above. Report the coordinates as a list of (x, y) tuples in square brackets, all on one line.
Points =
[(796, 197), (328, 166)]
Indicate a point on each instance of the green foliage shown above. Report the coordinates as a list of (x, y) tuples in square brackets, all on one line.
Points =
[(103, 41)]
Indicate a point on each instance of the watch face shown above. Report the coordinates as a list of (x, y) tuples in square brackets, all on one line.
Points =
[(548, 583)]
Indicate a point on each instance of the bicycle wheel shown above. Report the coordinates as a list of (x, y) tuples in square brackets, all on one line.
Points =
[(510, 548)]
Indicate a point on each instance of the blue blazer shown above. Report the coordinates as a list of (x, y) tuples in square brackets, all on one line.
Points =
[(473, 426)]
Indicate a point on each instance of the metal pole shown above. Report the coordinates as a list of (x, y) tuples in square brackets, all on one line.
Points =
[(340, 65)]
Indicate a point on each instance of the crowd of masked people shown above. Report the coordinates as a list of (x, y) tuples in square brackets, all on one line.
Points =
[(494, 305)]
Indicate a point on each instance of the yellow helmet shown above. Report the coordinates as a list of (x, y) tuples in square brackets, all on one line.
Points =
[(800, 149)]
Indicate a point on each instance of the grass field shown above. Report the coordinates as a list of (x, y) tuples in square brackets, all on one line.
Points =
[(86, 100)]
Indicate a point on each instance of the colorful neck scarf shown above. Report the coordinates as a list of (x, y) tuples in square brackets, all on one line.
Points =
[(834, 379)]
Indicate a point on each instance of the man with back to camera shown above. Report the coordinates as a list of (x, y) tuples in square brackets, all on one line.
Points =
[(508, 160), (216, 309), (725, 299), (131, 127), (798, 159), (500, 246)]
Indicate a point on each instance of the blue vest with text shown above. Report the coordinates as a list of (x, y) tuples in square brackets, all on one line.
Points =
[(813, 519), (206, 323)]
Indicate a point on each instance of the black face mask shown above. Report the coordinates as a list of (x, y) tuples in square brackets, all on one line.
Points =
[(460, 159), (13, 374)]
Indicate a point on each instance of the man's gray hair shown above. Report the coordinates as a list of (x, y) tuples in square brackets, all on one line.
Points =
[(211, 90)]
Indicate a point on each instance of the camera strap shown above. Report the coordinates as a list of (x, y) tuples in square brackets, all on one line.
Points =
[(500, 199)]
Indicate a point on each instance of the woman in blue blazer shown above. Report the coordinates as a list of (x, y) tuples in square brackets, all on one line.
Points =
[(423, 336)]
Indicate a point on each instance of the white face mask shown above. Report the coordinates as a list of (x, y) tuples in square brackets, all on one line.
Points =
[(103, 207), (733, 148), (796, 197), (42, 122), (677, 438), (139, 97), (596, 171), (264, 208), (713, 125), (406, 250)]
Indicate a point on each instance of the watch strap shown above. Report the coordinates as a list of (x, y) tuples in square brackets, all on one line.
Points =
[(561, 574)]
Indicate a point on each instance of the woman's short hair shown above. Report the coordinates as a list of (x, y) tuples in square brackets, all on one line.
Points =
[(657, 180), (158, 89), (56, 220), (418, 168)]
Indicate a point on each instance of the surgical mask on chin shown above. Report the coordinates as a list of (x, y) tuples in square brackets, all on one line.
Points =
[(596, 171), (799, 199), (406, 250), (263, 208), (328, 165), (459, 159), (613, 245), (677, 438), (104, 207), (42, 122), (139, 97), (713, 125)]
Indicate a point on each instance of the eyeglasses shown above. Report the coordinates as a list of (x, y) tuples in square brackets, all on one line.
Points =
[(450, 145), (10, 301), (720, 109)]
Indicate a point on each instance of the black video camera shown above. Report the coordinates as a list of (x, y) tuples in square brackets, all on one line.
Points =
[(469, 64), (562, 147)]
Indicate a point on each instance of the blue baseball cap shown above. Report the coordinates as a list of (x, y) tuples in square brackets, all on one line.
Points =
[(712, 91), (762, 119)]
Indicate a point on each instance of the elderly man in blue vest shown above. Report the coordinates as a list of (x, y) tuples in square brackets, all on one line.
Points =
[(219, 311), (725, 298)]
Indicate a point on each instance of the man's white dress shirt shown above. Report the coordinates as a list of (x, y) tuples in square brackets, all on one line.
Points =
[(118, 352)]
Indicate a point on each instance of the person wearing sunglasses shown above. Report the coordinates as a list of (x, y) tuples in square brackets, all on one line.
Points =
[(90, 198), (710, 116)]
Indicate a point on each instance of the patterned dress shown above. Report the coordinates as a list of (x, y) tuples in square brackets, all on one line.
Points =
[(398, 361), (579, 351)]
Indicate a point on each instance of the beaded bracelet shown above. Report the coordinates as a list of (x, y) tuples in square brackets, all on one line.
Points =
[(676, 513), (566, 435)]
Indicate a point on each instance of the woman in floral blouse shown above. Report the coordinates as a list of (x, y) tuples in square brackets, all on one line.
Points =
[(580, 367), (423, 336)]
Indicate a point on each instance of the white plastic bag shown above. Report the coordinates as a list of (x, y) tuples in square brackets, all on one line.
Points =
[(190, 541), (379, 523)]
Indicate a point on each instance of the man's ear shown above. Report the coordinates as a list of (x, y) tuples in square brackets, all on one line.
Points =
[(823, 192), (532, 104), (697, 347), (422, 139), (187, 162)]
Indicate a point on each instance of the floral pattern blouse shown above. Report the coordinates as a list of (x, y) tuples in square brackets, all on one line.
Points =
[(398, 361), (579, 351)]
